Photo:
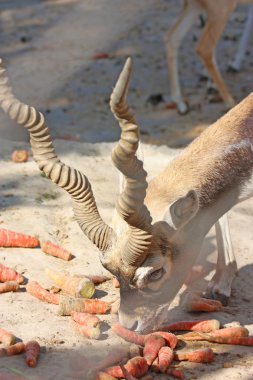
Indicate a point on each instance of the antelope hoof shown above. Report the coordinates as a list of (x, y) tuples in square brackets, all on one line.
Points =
[(233, 69), (230, 103), (182, 108)]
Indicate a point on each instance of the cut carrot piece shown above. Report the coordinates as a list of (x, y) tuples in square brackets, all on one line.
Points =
[(74, 285), (170, 338), (165, 358), (94, 306), (7, 338), (55, 250), (199, 325), (20, 156), (32, 353), (205, 355), (128, 335), (195, 302), (9, 286), (15, 239), (8, 274), (85, 319), (137, 367), (15, 349), (153, 344), (36, 290), (87, 331)]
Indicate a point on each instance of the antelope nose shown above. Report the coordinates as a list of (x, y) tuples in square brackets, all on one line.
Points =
[(127, 322)]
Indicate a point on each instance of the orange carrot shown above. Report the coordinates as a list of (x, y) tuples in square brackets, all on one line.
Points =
[(96, 306), (137, 367), (128, 335), (36, 290), (153, 344), (55, 250), (97, 279), (93, 306), (165, 358), (9, 286), (15, 349), (243, 341), (230, 332), (8, 274), (32, 353), (170, 338), (115, 282), (7, 338), (15, 239), (74, 285), (85, 319), (104, 376), (175, 373), (19, 156), (196, 303), (205, 355), (199, 325), (226, 335), (87, 331)]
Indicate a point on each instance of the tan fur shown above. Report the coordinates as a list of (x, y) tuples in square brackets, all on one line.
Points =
[(215, 161)]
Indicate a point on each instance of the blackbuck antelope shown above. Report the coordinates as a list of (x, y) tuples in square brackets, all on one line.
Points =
[(217, 13), (161, 225)]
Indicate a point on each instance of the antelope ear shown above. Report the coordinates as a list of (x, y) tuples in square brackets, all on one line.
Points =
[(182, 210)]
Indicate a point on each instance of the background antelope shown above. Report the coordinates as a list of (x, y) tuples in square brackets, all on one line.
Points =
[(163, 223), (217, 13)]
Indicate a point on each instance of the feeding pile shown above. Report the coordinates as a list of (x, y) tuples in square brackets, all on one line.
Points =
[(156, 352)]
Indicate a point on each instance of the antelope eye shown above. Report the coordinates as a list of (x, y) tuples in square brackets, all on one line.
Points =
[(156, 275)]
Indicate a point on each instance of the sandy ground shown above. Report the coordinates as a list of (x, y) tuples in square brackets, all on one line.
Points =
[(47, 46)]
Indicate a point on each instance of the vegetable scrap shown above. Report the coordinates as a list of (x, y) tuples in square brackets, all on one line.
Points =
[(73, 285), (19, 156), (15, 239), (55, 250), (8, 274), (32, 353), (36, 290)]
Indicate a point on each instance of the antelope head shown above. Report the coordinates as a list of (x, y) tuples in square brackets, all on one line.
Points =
[(141, 256)]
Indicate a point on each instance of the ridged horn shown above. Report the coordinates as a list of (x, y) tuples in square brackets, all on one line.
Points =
[(130, 204), (68, 178)]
